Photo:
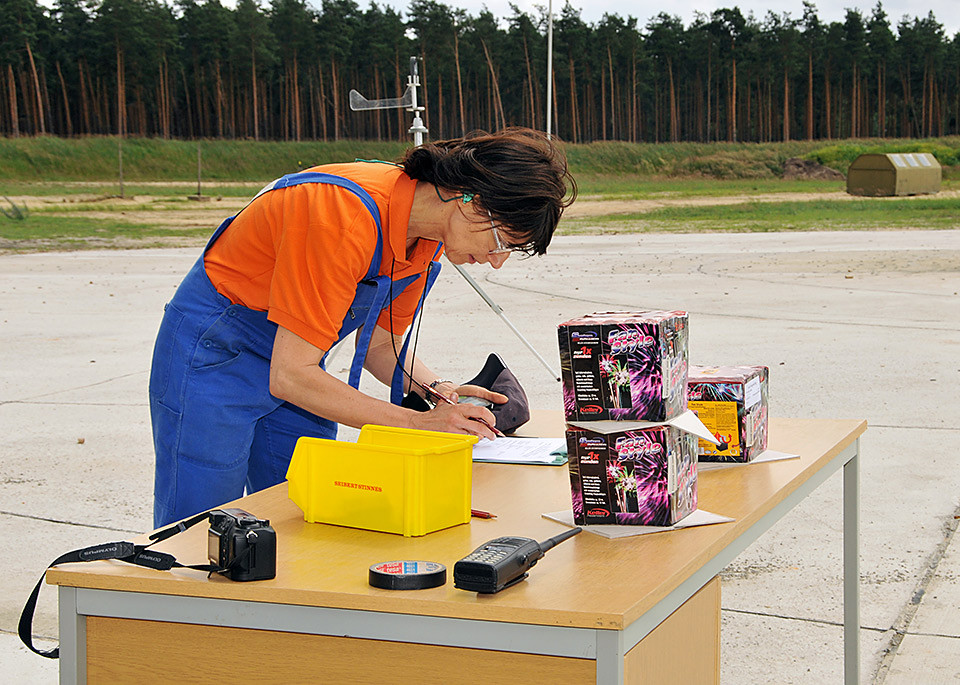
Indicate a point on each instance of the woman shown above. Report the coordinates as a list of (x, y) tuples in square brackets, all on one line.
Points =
[(237, 372)]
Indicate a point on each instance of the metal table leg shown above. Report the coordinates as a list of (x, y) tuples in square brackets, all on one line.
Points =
[(851, 569)]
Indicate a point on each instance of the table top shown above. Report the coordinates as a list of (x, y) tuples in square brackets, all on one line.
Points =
[(588, 581)]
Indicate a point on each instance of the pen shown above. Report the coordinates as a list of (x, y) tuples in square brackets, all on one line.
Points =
[(444, 398), (477, 513)]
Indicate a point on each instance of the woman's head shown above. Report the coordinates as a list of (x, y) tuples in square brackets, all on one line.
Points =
[(518, 175)]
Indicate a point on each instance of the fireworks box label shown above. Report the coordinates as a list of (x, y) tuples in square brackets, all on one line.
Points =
[(731, 401), (631, 475), (624, 366)]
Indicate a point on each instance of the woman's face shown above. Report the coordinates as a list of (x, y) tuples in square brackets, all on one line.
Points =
[(470, 238)]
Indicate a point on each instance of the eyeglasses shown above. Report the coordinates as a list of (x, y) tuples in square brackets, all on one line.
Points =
[(501, 248)]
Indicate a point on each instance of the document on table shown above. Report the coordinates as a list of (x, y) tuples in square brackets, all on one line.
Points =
[(522, 451)]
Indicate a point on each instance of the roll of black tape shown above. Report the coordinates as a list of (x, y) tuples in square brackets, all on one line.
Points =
[(408, 575)]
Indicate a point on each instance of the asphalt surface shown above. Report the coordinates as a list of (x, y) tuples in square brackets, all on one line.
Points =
[(859, 325)]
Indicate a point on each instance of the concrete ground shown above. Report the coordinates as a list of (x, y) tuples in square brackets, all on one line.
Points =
[(853, 325)]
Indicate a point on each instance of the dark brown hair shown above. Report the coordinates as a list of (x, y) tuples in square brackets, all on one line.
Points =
[(518, 174)]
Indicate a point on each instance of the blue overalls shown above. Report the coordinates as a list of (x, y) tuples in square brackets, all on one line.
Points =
[(216, 427)]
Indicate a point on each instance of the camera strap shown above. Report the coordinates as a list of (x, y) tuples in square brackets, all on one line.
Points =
[(128, 552)]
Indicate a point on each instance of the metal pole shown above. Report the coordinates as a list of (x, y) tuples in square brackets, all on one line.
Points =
[(549, 68), (417, 129), (851, 569), (499, 312)]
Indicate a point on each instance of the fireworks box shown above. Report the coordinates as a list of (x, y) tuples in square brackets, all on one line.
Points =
[(634, 473), (731, 401), (624, 366)]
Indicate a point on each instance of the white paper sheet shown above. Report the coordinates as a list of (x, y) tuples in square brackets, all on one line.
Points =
[(688, 421), (763, 457), (697, 518), (521, 451)]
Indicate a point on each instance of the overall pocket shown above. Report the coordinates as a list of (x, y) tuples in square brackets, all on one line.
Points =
[(166, 348)]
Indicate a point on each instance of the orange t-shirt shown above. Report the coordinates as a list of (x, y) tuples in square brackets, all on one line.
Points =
[(298, 253)]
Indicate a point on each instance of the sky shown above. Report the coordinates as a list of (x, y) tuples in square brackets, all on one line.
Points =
[(947, 12)]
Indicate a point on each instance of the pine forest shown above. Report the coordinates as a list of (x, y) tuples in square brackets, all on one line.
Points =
[(283, 70)]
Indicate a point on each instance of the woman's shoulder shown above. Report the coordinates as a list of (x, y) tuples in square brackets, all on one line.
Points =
[(377, 178)]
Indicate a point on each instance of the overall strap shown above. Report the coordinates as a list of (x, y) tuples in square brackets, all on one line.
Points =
[(330, 179), (396, 383), (379, 284)]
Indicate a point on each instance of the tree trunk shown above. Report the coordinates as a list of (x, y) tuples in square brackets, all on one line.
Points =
[(14, 111), (709, 79), (218, 96), (84, 99), (786, 105), (323, 104), (498, 103), (198, 99), (121, 93), (556, 117), (748, 101), (633, 98), (733, 103), (456, 59), (378, 95), (826, 106), (809, 117), (36, 86), (855, 104), (674, 120), (534, 115), (439, 133), (573, 102), (297, 115), (336, 99), (66, 101), (253, 85), (398, 83), (613, 99)]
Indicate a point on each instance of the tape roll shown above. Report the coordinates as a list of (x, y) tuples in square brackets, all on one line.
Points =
[(407, 575)]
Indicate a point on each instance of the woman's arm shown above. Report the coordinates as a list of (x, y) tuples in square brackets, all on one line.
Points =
[(296, 377)]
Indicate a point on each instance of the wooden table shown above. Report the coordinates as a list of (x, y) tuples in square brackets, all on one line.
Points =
[(630, 610)]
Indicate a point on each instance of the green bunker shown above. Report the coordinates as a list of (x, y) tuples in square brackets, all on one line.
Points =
[(895, 173)]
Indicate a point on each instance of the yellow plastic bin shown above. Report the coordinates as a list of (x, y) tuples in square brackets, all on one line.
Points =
[(393, 480)]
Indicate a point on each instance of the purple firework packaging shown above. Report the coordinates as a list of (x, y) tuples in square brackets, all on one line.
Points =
[(624, 366), (732, 402), (636, 477)]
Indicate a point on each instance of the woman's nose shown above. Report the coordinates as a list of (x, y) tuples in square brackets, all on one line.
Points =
[(498, 259)]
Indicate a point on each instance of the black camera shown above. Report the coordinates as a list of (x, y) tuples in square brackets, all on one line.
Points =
[(243, 546)]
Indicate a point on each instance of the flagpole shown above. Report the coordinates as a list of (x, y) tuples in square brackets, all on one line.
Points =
[(549, 69)]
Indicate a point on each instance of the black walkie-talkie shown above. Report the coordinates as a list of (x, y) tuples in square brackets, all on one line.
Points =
[(502, 562)]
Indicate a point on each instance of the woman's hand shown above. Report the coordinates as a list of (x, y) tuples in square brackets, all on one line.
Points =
[(457, 418)]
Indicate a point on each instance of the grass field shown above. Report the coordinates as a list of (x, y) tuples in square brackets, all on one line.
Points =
[(70, 188), (808, 215)]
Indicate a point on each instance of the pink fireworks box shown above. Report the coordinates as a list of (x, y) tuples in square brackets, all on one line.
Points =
[(624, 366), (634, 473), (732, 402)]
